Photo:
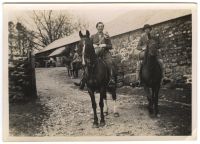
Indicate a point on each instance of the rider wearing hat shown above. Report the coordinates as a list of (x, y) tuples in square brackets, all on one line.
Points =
[(142, 45)]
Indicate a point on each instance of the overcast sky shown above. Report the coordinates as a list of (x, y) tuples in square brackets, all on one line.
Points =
[(92, 13)]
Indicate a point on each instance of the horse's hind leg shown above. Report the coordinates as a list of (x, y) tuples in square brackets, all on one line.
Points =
[(94, 107), (101, 105), (114, 97)]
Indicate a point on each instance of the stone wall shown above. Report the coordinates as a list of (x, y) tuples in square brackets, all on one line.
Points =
[(22, 82), (176, 48)]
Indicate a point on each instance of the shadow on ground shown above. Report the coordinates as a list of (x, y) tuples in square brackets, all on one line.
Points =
[(26, 119)]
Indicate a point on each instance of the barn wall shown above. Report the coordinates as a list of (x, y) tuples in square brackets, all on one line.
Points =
[(176, 48)]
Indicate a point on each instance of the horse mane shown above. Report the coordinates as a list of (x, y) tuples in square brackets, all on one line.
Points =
[(150, 53), (90, 52)]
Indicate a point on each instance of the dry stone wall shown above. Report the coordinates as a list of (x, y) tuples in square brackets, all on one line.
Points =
[(175, 38)]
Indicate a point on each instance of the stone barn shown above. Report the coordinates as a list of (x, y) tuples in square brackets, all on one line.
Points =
[(56, 50), (174, 30), (173, 27)]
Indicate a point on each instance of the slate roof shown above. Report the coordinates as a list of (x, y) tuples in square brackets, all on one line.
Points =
[(57, 52)]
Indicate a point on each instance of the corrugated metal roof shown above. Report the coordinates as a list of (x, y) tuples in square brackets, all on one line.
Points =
[(57, 52), (127, 22)]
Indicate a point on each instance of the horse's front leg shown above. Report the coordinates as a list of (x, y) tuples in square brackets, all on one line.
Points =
[(105, 106), (101, 105), (68, 71), (94, 107), (149, 98), (156, 100)]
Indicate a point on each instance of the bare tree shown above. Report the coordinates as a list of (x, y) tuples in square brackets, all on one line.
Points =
[(20, 39), (11, 38), (52, 25)]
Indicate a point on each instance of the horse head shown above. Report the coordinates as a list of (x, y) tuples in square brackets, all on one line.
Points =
[(151, 51), (87, 48)]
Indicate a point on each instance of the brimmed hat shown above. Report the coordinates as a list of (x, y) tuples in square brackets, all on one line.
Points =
[(147, 26)]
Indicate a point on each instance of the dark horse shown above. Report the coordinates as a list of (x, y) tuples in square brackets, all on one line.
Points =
[(76, 66), (67, 63), (151, 75), (96, 76)]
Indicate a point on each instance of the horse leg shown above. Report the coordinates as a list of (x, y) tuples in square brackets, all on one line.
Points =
[(94, 107), (77, 73), (114, 97), (101, 105), (153, 98), (157, 88), (76, 70), (149, 98), (106, 105), (71, 70), (68, 72)]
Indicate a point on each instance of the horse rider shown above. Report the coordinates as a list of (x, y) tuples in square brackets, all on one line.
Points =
[(102, 45), (142, 45), (75, 59)]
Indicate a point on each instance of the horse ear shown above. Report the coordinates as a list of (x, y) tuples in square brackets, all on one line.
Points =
[(87, 33), (80, 34)]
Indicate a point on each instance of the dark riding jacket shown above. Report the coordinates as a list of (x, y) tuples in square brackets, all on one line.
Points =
[(101, 38)]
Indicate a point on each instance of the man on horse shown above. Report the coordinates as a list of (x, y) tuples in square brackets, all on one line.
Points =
[(142, 45), (102, 45), (76, 58)]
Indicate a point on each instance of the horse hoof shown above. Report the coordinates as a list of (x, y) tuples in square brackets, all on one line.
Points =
[(158, 115), (116, 114), (105, 113), (102, 123), (95, 125)]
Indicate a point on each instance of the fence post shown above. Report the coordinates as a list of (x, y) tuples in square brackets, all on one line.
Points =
[(31, 59)]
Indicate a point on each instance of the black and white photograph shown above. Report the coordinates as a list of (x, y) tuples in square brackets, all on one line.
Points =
[(99, 70)]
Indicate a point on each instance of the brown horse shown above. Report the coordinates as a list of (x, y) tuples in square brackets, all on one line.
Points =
[(96, 75), (151, 75)]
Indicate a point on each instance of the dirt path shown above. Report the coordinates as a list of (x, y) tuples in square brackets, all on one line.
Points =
[(63, 110)]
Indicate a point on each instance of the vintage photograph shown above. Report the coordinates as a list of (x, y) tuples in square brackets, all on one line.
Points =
[(96, 70)]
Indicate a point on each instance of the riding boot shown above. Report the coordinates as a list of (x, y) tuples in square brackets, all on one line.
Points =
[(140, 77), (162, 69), (112, 81), (137, 83), (82, 83)]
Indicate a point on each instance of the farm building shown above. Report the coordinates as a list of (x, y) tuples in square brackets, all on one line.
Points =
[(174, 28)]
